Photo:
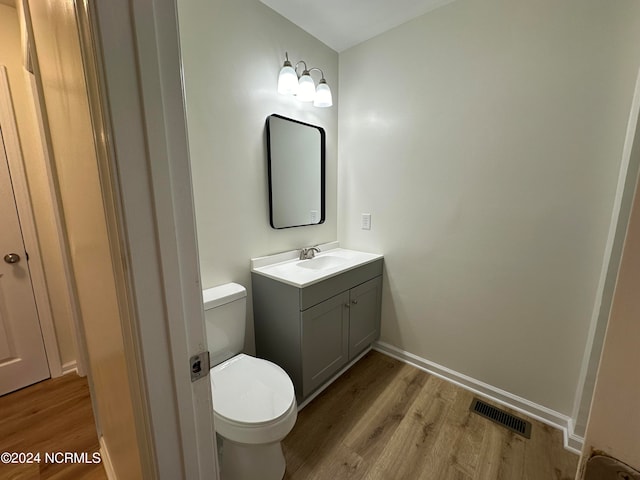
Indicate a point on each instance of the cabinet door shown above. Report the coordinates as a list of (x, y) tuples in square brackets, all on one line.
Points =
[(325, 330), (364, 320)]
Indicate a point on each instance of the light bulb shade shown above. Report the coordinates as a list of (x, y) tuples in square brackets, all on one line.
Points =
[(306, 88), (287, 80), (323, 95)]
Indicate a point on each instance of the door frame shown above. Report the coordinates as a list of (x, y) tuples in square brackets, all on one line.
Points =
[(612, 258), (138, 56), (27, 224)]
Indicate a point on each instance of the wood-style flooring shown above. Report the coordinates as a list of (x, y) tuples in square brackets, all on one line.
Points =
[(51, 416), (384, 419)]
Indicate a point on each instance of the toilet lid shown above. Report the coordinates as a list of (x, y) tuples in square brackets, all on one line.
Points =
[(250, 390)]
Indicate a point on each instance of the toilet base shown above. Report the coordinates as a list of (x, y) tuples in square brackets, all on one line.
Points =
[(250, 462)]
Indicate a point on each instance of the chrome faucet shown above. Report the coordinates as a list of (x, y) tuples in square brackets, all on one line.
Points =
[(308, 253)]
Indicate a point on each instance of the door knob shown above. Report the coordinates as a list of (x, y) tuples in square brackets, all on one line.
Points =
[(12, 258)]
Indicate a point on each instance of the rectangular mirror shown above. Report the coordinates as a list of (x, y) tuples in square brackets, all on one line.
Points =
[(296, 157)]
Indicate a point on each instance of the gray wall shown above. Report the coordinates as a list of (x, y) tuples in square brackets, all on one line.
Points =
[(485, 139), (232, 54)]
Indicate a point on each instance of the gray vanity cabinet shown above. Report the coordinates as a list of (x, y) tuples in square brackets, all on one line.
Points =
[(313, 332), (325, 330), (364, 315)]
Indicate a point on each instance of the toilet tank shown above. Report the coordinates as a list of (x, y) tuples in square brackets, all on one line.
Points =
[(224, 314)]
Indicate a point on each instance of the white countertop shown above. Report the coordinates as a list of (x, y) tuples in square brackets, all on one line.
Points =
[(332, 260)]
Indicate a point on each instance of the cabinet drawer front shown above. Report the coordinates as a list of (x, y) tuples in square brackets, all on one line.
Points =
[(324, 341), (314, 294)]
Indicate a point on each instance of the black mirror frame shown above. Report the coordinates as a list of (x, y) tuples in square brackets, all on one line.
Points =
[(322, 171)]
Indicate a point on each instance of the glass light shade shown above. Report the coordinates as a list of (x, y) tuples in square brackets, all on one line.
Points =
[(287, 80), (323, 95), (306, 88)]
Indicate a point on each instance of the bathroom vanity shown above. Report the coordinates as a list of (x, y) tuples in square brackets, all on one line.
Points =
[(313, 316)]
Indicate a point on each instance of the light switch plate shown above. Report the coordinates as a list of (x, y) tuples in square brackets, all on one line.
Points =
[(366, 221)]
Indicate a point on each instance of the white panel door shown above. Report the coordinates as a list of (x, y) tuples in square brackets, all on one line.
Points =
[(22, 357)]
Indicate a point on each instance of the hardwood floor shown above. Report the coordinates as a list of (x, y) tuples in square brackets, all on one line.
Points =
[(384, 419), (50, 416)]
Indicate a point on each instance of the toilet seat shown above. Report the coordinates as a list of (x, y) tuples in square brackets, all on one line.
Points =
[(254, 400)]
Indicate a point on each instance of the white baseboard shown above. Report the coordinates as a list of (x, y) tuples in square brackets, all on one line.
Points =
[(572, 442), (69, 367), (106, 460)]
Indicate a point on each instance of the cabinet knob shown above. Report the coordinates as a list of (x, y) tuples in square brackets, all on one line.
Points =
[(355, 302), (347, 305)]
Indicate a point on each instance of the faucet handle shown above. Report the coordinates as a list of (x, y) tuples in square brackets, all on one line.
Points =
[(307, 253)]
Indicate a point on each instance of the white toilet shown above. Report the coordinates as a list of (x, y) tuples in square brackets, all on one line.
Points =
[(254, 402)]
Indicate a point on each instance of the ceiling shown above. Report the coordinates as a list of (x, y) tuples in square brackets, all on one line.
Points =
[(342, 24)]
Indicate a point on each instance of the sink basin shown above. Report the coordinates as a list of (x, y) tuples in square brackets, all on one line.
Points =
[(322, 263), (286, 267)]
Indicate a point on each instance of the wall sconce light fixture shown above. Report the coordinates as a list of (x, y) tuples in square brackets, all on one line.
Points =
[(303, 86)]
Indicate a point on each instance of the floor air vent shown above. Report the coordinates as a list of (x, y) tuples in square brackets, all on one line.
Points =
[(513, 423)]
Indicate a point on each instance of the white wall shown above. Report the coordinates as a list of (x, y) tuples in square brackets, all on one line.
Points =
[(232, 53), (19, 80), (485, 139), (614, 422)]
